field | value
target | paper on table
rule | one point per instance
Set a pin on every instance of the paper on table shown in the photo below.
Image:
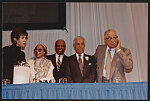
(21, 75)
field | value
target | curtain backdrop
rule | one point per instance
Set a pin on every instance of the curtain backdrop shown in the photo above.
(91, 20)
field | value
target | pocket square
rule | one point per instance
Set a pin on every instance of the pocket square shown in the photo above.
(89, 64)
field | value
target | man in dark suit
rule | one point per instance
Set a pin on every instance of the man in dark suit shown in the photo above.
(80, 67)
(58, 60)
(119, 62)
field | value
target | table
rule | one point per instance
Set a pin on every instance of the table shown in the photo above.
(130, 90)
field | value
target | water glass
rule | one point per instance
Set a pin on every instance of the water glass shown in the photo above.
(65, 80)
(52, 81)
(62, 80)
(118, 80)
(5, 81)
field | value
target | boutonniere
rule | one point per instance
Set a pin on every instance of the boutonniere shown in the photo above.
(86, 58)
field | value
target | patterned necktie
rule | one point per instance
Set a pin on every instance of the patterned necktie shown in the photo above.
(80, 60)
(80, 64)
(58, 63)
(108, 64)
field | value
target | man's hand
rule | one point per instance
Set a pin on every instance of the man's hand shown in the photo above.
(118, 46)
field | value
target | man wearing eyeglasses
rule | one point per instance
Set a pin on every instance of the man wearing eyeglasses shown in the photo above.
(113, 60)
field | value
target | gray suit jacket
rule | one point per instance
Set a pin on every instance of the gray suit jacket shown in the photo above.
(121, 61)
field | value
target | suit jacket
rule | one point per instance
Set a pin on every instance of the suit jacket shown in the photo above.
(61, 73)
(73, 72)
(121, 61)
(11, 56)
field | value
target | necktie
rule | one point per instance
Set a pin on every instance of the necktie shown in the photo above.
(108, 64)
(58, 63)
(80, 64)
(80, 60)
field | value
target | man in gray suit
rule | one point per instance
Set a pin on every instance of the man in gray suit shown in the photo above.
(120, 59)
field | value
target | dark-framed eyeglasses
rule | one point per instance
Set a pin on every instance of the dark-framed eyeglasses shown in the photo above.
(38, 50)
(110, 38)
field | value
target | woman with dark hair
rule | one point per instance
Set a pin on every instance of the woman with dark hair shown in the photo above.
(13, 54)
(41, 69)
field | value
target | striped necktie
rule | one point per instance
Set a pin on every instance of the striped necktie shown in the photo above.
(58, 63)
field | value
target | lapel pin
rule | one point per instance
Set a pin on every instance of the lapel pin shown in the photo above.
(89, 64)
(86, 58)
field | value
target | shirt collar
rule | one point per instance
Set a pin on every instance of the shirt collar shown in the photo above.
(77, 55)
(61, 56)
(111, 49)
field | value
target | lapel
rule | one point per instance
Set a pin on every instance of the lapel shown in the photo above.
(75, 61)
(64, 57)
(103, 51)
(85, 67)
(101, 60)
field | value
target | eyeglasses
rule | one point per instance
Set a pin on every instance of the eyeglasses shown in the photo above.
(38, 50)
(110, 38)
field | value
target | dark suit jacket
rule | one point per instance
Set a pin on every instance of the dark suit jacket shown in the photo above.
(61, 73)
(73, 72)
(11, 56)
(121, 61)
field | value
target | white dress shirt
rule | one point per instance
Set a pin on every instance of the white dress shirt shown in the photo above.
(61, 58)
(82, 55)
(112, 52)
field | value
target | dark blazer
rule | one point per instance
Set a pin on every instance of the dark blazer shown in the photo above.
(61, 73)
(121, 62)
(11, 56)
(73, 72)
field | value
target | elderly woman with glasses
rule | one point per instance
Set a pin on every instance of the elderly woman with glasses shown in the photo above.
(41, 69)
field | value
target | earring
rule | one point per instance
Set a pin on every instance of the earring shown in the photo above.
(15, 42)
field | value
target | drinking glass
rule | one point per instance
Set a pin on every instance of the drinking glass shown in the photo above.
(60, 80)
(118, 80)
(65, 80)
(5, 81)
(52, 81)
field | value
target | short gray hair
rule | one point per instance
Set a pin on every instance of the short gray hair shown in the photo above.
(109, 30)
(78, 38)
(44, 47)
